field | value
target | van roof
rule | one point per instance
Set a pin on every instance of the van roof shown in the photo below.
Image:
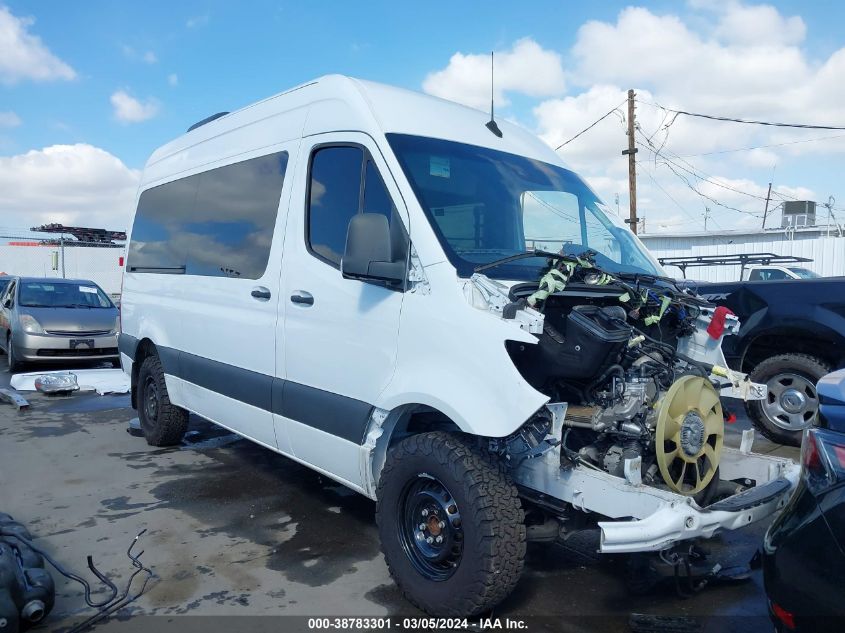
(340, 103)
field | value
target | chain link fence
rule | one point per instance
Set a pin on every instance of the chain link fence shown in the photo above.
(33, 254)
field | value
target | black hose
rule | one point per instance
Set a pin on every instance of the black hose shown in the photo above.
(115, 601)
(68, 574)
(613, 369)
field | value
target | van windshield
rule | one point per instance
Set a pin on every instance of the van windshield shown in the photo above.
(485, 204)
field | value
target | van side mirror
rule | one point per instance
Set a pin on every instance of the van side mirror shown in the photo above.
(7, 303)
(368, 253)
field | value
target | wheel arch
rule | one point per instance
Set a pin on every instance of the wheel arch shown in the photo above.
(144, 349)
(387, 428)
(827, 346)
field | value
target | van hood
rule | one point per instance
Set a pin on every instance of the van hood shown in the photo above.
(74, 320)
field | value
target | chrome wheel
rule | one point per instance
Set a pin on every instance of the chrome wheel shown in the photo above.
(791, 402)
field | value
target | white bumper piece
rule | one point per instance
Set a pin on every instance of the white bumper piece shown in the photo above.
(652, 519)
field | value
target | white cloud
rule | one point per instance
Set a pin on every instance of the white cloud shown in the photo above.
(726, 58)
(759, 24)
(526, 68)
(197, 21)
(9, 119)
(148, 57)
(24, 56)
(72, 184)
(128, 109)
(173, 79)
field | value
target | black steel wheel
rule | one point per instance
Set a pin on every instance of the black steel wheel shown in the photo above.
(430, 528)
(162, 423)
(451, 525)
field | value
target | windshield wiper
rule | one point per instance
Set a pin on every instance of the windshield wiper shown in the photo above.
(525, 255)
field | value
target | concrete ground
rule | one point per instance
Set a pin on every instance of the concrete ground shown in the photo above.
(234, 529)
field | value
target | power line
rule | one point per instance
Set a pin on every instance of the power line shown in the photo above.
(746, 149)
(714, 117)
(592, 125)
(692, 171)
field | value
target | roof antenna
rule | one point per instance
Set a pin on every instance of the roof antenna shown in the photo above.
(491, 124)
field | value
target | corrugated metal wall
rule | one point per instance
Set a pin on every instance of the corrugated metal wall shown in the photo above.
(828, 253)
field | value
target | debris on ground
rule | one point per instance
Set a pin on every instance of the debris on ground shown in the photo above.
(57, 384)
(27, 592)
(15, 399)
(103, 381)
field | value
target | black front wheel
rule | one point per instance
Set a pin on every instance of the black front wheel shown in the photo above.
(451, 525)
(162, 423)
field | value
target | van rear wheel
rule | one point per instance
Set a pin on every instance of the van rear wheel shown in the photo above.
(451, 525)
(162, 423)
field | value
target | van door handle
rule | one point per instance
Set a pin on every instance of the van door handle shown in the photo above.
(302, 298)
(261, 293)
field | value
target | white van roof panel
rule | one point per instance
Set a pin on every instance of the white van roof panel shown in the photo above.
(335, 103)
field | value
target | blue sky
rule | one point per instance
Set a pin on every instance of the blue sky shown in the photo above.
(127, 77)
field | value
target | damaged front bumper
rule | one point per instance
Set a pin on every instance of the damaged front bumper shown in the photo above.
(652, 519)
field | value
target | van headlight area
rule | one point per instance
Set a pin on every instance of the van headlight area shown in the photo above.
(443, 318)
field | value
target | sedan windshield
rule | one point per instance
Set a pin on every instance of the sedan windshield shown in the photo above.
(62, 294)
(485, 205)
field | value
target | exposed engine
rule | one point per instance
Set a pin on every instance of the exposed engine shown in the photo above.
(610, 350)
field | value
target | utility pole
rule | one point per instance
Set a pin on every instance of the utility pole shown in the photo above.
(706, 216)
(829, 205)
(632, 165)
(766, 210)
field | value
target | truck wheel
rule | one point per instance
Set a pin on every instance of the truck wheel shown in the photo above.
(451, 525)
(162, 423)
(791, 403)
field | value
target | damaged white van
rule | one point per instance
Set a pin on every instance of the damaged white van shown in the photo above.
(432, 310)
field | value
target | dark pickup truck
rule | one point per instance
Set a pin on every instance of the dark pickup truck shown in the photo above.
(792, 334)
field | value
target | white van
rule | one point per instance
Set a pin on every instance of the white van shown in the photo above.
(432, 310)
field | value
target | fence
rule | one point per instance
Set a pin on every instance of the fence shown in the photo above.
(34, 255)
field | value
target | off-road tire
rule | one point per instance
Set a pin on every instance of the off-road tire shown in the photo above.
(12, 361)
(492, 523)
(804, 365)
(165, 424)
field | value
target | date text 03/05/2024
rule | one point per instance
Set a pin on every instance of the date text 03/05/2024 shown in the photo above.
(412, 624)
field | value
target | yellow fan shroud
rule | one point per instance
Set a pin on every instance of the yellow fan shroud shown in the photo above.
(689, 436)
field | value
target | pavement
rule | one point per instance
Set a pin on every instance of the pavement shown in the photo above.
(235, 529)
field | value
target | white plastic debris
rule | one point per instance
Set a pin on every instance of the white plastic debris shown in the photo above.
(102, 381)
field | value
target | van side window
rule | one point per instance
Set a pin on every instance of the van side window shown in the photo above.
(333, 198)
(344, 181)
(218, 223)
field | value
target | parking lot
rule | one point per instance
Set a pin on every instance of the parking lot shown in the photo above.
(235, 529)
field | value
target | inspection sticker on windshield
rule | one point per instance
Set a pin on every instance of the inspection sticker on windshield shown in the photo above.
(88, 289)
(438, 166)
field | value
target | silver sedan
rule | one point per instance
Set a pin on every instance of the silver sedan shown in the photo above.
(57, 319)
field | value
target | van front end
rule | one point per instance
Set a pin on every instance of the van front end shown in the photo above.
(634, 430)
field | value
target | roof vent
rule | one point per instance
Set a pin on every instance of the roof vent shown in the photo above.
(207, 119)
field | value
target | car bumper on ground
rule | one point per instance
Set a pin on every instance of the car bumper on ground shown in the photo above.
(82, 346)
